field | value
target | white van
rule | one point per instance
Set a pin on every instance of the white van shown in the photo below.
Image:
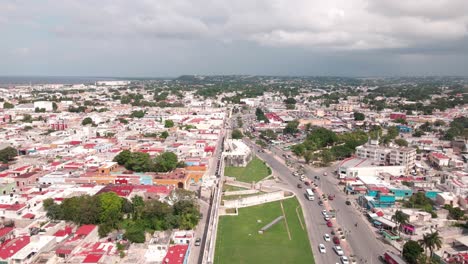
(310, 195)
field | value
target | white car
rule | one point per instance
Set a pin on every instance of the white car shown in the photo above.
(338, 250)
(324, 212)
(344, 260)
(327, 237)
(322, 248)
(326, 218)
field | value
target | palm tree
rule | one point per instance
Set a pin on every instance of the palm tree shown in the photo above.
(400, 218)
(431, 241)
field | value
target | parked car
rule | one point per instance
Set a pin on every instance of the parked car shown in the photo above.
(326, 218)
(336, 240)
(324, 212)
(299, 185)
(322, 248)
(197, 242)
(338, 250)
(329, 224)
(344, 260)
(326, 237)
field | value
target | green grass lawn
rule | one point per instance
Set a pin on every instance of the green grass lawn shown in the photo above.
(234, 197)
(256, 170)
(238, 241)
(230, 188)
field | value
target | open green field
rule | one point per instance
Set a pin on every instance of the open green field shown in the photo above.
(256, 170)
(238, 241)
(230, 188)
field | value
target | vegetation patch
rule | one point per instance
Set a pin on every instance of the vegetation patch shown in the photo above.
(256, 170)
(238, 240)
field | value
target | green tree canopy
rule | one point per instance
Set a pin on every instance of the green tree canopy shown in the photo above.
(412, 252)
(7, 154)
(138, 114)
(401, 142)
(87, 121)
(168, 123)
(236, 134)
(291, 127)
(165, 162)
(359, 116)
(8, 105)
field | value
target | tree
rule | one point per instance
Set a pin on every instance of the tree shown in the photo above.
(401, 142)
(237, 134)
(392, 132)
(111, 209)
(138, 205)
(290, 100)
(359, 116)
(412, 252)
(431, 241)
(164, 134)
(7, 154)
(54, 106)
(87, 121)
(291, 127)
(138, 114)
(400, 218)
(165, 162)
(27, 118)
(298, 149)
(326, 156)
(135, 234)
(168, 123)
(139, 162)
(123, 121)
(308, 156)
(7, 105)
(123, 157)
(268, 134)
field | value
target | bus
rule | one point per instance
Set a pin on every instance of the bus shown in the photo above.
(309, 194)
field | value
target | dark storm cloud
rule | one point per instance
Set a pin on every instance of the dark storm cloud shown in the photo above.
(145, 37)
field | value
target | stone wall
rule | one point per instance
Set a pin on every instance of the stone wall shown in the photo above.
(256, 200)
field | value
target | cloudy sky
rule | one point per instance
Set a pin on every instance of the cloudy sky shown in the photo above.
(274, 37)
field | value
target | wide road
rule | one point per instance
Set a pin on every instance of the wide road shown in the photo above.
(361, 239)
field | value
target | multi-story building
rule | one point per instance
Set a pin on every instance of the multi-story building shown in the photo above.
(388, 156)
(403, 157)
(344, 107)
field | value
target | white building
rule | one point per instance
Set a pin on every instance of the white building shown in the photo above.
(361, 168)
(237, 153)
(47, 105)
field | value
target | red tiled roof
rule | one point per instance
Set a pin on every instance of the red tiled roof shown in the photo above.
(5, 230)
(92, 258)
(28, 216)
(12, 246)
(439, 155)
(64, 232)
(84, 230)
(175, 254)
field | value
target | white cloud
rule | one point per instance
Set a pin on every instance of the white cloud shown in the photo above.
(331, 24)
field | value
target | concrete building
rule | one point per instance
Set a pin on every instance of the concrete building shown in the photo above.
(47, 105)
(344, 107)
(237, 153)
(388, 156)
(359, 168)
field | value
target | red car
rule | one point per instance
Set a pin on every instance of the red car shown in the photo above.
(336, 240)
(329, 224)
(331, 197)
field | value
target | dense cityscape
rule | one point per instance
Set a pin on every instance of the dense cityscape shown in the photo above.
(234, 169)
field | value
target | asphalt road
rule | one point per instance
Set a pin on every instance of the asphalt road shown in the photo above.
(361, 239)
